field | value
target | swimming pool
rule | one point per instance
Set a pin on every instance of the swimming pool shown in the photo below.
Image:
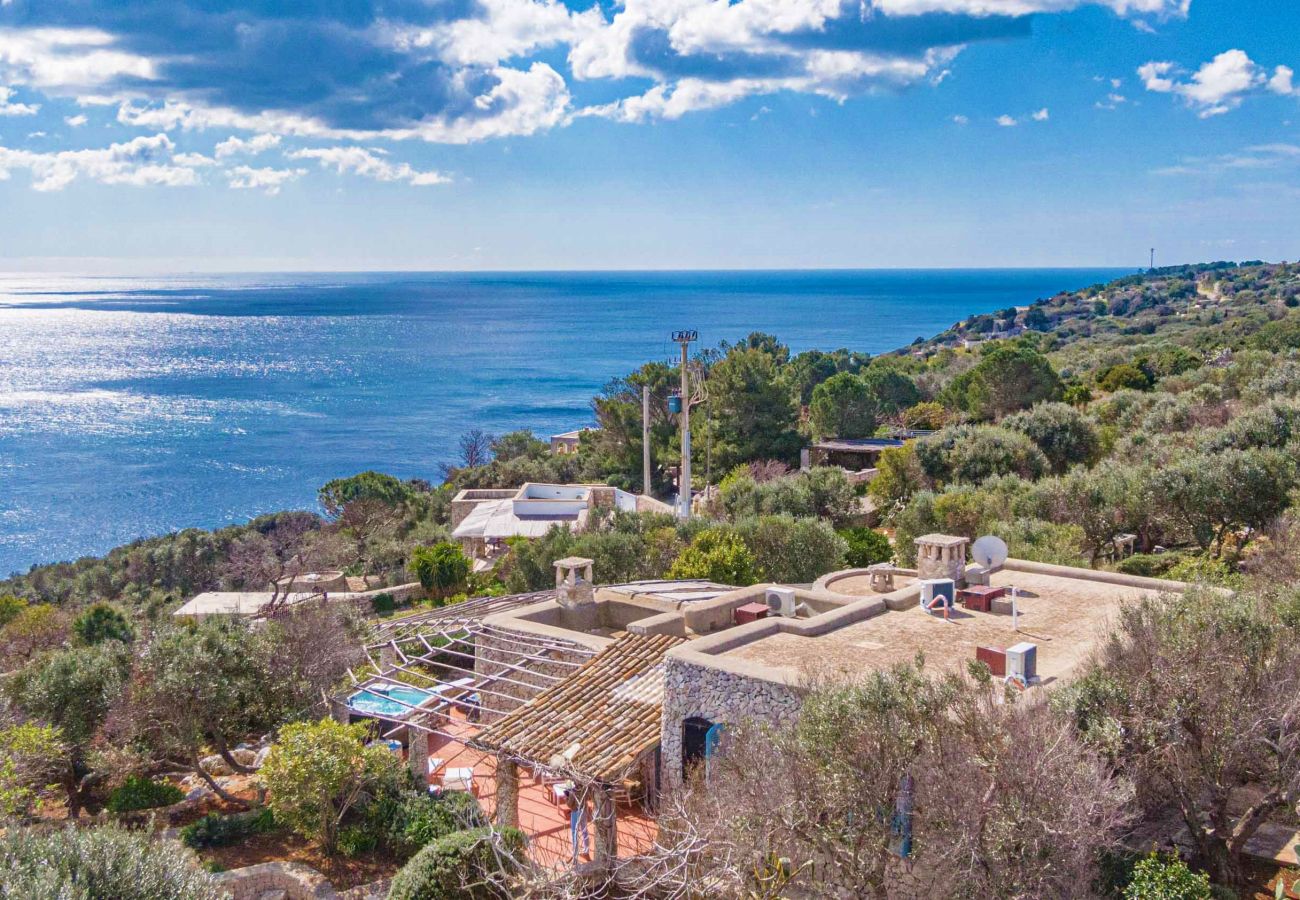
(391, 701)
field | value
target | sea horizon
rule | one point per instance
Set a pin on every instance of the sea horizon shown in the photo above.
(134, 405)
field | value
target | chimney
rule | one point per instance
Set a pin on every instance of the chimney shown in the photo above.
(573, 587)
(941, 556)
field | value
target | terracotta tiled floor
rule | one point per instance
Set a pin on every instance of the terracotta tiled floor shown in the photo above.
(546, 824)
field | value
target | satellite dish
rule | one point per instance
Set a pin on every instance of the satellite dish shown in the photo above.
(989, 551)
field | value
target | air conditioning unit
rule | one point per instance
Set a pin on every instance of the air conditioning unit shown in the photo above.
(1022, 663)
(781, 602)
(933, 589)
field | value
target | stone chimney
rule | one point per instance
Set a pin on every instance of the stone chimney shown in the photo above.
(573, 587)
(941, 556)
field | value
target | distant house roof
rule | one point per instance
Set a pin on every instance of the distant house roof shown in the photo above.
(497, 519)
(571, 435)
(597, 722)
(857, 445)
(236, 603)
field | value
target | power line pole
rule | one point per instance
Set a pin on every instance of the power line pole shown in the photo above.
(645, 439)
(684, 339)
(1153, 258)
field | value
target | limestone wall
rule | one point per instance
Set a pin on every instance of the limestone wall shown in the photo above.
(295, 880)
(726, 697)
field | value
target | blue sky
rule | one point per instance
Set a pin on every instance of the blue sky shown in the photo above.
(471, 134)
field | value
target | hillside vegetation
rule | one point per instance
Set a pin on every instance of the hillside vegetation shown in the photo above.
(1160, 404)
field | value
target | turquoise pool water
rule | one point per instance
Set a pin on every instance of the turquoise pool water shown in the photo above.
(392, 702)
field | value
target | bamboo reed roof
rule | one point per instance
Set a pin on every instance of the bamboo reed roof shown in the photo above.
(596, 723)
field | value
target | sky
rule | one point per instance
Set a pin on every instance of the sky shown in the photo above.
(201, 135)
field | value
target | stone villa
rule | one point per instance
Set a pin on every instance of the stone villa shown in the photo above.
(615, 691)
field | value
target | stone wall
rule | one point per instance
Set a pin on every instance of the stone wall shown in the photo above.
(495, 653)
(726, 697)
(295, 880)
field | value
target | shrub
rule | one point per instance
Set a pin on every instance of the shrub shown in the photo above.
(1157, 877)
(464, 865)
(1148, 565)
(866, 547)
(143, 793)
(319, 771)
(789, 550)
(382, 604)
(30, 757)
(716, 554)
(216, 830)
(353, 840)
(442, 568)
(421, 819)
(1065, 435)
(1125, 375)
(106, 861)
(101, 622)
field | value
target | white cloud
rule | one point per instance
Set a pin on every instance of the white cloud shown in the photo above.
(257, 144)
(67, 58)
(1006, 121)
(505, 30)
(1163, 8)
(10, 108)
(1219, 85)
(961, 120)
(140, 161)
(1112, 101)
(268, 180)
(1040, 116)
(193, 160)
(1281, 82)
(75, 121)
(1255, 157)
(368, 163)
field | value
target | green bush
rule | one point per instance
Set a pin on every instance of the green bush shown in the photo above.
(92, 863)
(216, 830)
(417, 818)
(102, 622)
(1157, 877)
(866, 547)
(382, 604)
(464, 865)
(1148, 565)
(143, 793)
(353, 840)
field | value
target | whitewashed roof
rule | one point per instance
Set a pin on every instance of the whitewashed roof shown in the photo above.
(497, 519)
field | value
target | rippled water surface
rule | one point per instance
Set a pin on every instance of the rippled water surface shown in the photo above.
(134, 406)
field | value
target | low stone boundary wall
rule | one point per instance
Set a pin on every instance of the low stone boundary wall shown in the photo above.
(297, 881)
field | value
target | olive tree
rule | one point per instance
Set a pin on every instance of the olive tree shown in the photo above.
(1197, 696)
(1066, 436)
(858, 798)
(73, 691)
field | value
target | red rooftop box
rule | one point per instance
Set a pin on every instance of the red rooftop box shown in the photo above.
(751, 612)
(996, 660)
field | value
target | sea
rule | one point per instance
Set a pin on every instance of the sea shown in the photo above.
(135, 406)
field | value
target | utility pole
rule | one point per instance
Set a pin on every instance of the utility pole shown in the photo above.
(645, 439)
(1153, 258)
(684, 339)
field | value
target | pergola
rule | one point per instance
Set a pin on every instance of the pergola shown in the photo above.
(436, 651)
(593, 727)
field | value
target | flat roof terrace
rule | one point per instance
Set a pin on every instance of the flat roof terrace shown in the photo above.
(1065, 616)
